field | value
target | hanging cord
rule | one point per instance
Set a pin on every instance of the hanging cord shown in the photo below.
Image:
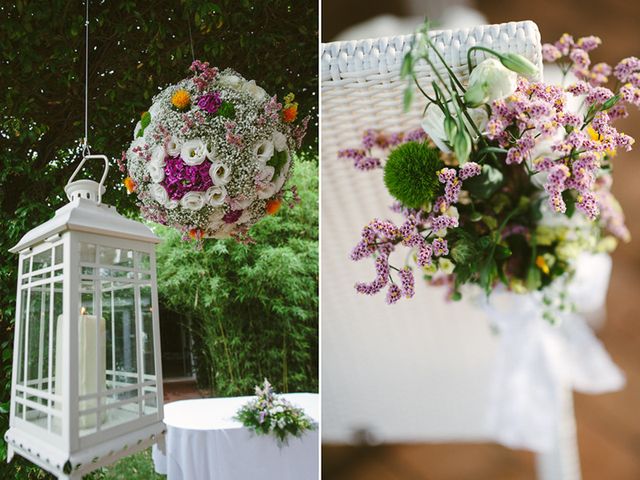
(193, 56)
(85, 145)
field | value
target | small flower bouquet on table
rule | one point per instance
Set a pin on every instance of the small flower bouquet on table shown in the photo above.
(213, 153)
(271, 414)
(508, 179)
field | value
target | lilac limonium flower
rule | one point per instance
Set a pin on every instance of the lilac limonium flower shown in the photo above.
(210, 102)
(181, 178)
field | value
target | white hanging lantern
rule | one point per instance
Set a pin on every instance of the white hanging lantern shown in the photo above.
(86, 387)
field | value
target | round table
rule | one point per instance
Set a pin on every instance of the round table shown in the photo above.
(204, 442)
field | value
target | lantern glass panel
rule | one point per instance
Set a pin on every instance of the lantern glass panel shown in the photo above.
(37, 400)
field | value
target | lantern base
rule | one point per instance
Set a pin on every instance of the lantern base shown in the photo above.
(73, 466)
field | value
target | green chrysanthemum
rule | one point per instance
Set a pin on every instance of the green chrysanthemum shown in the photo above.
(410, 174)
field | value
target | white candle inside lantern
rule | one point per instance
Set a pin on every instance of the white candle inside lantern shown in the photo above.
(89, 376)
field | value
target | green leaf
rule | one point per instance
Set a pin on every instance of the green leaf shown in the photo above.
(277, 161)
(408, 98)
(570, 201)
(464, 251)
(145, 120)
(483, 186)
(502, 252)
(227, 110)
(407, 65)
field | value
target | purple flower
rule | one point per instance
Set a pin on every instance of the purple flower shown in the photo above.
(393, 294)
(210, 102)
(408, 282)
(232, 216)
(180, 178)
(440, 247)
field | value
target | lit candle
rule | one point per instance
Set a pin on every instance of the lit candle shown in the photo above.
(89, 377)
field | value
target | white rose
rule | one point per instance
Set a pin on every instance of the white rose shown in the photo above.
(215, 196)
(193, 152)
(173, 147)
(155, 166)
(240, 202)
(158, 155)
(265, 175)
(212, 153)
(158, 193)
(267, 191)
(280, 141)
(490, 81)
(258, 93)
(230, 80)
(192, 201)
(156, 172)
(263, 151)
(219, 173)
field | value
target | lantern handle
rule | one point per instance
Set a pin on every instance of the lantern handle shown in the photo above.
(104, 175)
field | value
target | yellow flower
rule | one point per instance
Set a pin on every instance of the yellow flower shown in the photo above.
(289, 98)
(596, 137)
(181, 99)
(542, 264)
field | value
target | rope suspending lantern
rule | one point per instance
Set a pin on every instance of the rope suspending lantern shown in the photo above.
(85, 145)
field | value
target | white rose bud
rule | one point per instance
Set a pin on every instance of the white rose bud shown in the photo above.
(193, 152)
(156, 172)
(257, 92)
(219, 173)
(230, 80)
(192, 201)
(215, 196)
(490, 81)
(173, 147)
(158, 193)
(263, 151)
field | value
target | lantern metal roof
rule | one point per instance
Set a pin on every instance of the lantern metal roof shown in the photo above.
(86, 213)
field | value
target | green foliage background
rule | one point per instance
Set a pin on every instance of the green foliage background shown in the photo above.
(137, 48)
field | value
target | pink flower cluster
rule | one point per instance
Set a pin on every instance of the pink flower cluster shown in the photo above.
(611, 215)
(364, 158)
(204, 74)
(380, 237)
(539, 112)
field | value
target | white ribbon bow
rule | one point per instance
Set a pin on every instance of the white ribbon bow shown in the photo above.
(537, 361)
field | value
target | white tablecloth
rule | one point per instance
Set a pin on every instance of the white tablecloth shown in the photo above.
(203, 442)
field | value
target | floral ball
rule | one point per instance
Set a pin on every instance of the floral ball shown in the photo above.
(212, 155)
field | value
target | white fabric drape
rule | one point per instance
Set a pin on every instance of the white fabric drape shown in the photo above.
(537, 361)
(203, 442)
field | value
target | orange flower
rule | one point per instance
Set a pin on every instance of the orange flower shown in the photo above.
(290, 113)
(129, 184)
(195, 234)
(273, 206)
(181, 99)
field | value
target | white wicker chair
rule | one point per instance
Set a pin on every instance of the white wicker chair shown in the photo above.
(432, 360)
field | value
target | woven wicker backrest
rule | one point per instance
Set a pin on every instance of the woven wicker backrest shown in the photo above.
(361, 86)
(407, 348)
